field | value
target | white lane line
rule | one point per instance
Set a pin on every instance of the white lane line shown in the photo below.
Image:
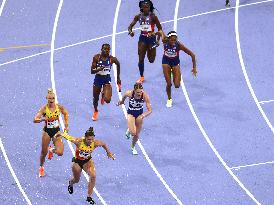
(251, 165)
(13, 173)
(2, 7)
(266, 101)
(54, 88)
(176, 13)
(122, 32)
(124, 108)
(209, 141)
(244, 69)
(219, 10)
(2, 146)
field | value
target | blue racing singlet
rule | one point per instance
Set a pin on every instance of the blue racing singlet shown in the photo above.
(146, 24)
(106, 63)
(171, 51)
(135, 107)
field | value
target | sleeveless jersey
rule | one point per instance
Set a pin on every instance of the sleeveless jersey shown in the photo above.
(171, 51)
(146, 24)
(53, 117)
(136, 104)
(105, 63)
(83, 151)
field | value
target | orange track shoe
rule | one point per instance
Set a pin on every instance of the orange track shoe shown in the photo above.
(50, 153)
(95, 116)
(141, 79)
(41, 172)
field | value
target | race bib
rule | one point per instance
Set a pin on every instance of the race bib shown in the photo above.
(146, 28)
(170, 53)
(85, 155)
(105, 71)
(53, 124)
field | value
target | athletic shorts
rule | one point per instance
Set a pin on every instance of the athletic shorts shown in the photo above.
(101, 80)
(149, 40)
(80, 162)
(135, 113)
(51, 131)
(171, 61)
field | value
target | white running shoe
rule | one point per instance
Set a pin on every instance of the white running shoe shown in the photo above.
(169, 103)
(134, 151)
(128, 135)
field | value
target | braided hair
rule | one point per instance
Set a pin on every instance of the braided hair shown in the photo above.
(89, 132)
(149, 2)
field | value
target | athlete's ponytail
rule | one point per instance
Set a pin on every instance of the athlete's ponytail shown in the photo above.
(89, 132)
(50, 92)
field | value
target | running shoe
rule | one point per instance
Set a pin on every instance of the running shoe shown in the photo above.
(70, 188)
(134, 151)
(169, 103)
(90, 200)
(50, 152)
(95, 116)
(128, 135)
(141, 79)
(41, 172)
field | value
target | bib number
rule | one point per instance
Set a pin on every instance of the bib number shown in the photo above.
(53, 124)
(105, 71)
(85, 155)
(170, 54)
(146, 28)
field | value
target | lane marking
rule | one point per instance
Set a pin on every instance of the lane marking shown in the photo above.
(2, 7)
(244, 68)
(54, 88)
(122, 32)
(2, 146)
(124, 108)
(21, 47)
(208, 139)
(251, 165)
(13, 173)
(266, 101)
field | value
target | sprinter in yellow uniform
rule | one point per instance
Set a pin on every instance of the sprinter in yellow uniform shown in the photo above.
(83, 159)
(50, 113)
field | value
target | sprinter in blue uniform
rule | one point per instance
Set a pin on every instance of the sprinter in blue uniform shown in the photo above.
(147, 41)
(135, 114)
(101, 67)
(171, 62)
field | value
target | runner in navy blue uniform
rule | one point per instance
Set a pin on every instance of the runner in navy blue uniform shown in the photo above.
(101, 66)
(171, 62)
(147, 41)
(135, 113)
